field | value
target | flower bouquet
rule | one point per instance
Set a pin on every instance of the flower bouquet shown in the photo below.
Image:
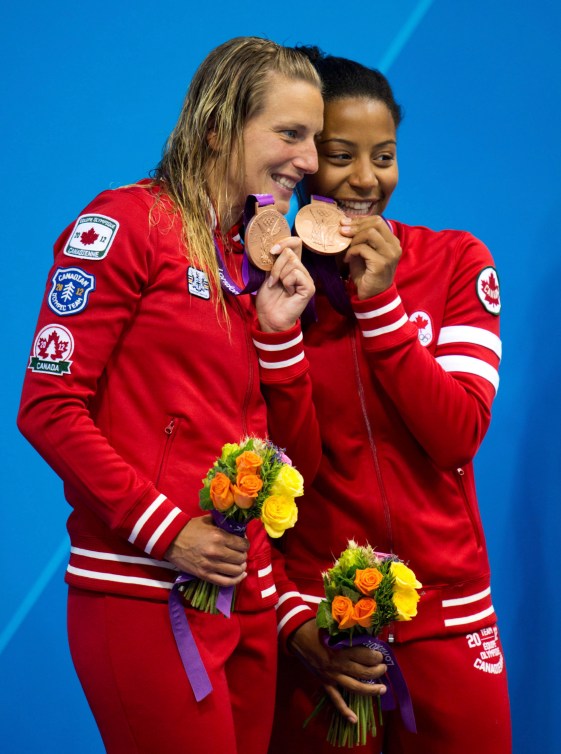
(364, 591)
(252, 479)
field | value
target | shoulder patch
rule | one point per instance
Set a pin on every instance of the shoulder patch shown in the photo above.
(91, 237)
(52, 350)
(197, 283)
(425, 331)
(488, 290)
(70, 291)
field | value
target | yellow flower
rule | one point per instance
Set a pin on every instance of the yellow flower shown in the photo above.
(405, 601)
(288, 483)
(278, 514)
(228, 449)
(404, 576)
(405, 596)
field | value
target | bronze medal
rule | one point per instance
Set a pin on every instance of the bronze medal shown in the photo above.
(317, 224)
(263, 231)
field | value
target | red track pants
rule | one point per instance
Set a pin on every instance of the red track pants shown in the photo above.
(126, 658)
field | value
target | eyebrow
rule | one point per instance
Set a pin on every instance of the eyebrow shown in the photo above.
(386, 143)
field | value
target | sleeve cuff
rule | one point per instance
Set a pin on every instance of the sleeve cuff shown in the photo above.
(155, 526)
(292, 612)
(281, 354)
(382, 320)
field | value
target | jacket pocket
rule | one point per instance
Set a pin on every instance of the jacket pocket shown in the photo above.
(170, 433)
(461, 474)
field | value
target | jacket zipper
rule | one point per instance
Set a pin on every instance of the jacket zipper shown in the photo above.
(169, 430)
(461, 473)
(372, 443)
(250, 369)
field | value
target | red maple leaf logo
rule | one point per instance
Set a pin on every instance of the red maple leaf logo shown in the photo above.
(490, 289)
(421, 322)
(89, 237)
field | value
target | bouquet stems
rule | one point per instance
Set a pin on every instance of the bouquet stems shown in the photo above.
(203, 595)
(343, 733)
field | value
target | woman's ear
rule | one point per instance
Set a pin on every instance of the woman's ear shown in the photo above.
(212, 137)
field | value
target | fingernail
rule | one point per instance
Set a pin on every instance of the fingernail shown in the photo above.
(276, 248)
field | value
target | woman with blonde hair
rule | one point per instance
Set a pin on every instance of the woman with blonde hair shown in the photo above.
(142, 367)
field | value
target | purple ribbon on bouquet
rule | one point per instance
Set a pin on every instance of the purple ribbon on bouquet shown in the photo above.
(397, 693)
(186, 644)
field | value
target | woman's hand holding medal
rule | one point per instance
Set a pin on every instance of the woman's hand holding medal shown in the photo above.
(287, 289)
(373, 254)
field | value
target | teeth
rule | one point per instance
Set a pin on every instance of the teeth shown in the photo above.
(285, 182)
(359, 206)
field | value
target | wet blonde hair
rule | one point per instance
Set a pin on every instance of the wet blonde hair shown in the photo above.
(229, 87)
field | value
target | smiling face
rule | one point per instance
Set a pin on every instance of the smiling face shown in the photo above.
(278, 143)
(357, 156)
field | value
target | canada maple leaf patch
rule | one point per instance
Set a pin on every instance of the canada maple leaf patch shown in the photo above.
(488, 290)
(424, 327)
(91, 237)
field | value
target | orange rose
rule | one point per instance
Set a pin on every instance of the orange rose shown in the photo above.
(248, 461)
(363, 611)
(221, 492)
(246, 490)
(367, 579)
(342, 611)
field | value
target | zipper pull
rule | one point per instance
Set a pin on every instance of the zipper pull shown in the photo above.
(391, 638)
(169, 429)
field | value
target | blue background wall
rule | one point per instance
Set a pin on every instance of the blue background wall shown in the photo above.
(90, 93)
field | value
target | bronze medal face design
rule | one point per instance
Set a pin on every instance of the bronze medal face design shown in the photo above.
(318, 225)
(263, 231)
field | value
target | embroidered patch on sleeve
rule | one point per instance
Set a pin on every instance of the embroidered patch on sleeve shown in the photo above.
(92, 237)
(52, 350)
(198, 283)
(424, 327)
(488, 290)
(70, 290)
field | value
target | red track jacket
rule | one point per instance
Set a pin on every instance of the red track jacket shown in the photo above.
(133, 387)
(403, 394)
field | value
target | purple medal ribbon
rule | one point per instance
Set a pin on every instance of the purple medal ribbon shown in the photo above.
(186, 644)
(251, 276)
(397, 693)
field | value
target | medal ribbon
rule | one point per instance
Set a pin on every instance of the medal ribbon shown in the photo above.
(397, 693)
(186, 644)
(252, 277)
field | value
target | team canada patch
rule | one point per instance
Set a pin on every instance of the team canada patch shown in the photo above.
(197, 282)
(92, 237)
(424, 327)
(70, 291)
(52, 350)
(488, 290)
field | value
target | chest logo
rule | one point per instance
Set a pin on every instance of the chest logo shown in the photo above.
(424, 327)
(92, 237)
(488, 290)
(197, 282)
(70, 291)
(52, 350)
